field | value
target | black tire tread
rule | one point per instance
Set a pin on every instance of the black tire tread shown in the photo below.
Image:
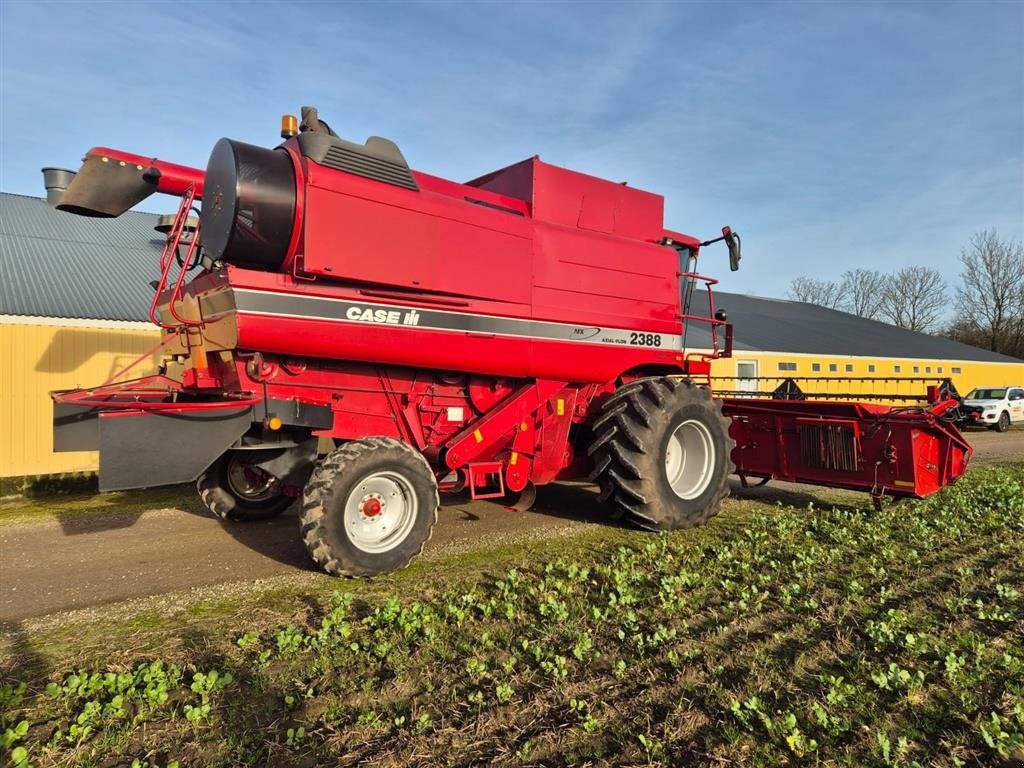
(625, 433)
(314, 512)
(222, 503)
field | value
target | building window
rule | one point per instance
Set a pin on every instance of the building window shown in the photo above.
(927, 369)
(957, 370)
(897, 369)
(832, 367)
(871, 368)
(787, 366)
(849, 368)
(816, 367)
(940, 369)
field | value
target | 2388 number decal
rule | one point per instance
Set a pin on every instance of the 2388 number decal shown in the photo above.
(645, 339)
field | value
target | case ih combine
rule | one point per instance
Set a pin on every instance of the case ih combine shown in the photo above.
(525, 327)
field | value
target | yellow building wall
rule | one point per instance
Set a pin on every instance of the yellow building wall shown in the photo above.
(965, 374)
(39, 355)
(36, 356)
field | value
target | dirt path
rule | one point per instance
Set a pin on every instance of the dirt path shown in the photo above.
(991, 447)
(51, 566)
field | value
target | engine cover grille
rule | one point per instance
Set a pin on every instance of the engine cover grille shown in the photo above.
(378, 159)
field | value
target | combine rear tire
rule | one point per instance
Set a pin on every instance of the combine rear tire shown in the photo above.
(661, 453)
(235, 491)
(369, 508)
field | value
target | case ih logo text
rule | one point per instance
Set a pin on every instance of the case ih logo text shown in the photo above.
(386, 316)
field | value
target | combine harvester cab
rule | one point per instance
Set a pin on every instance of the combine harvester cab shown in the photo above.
(363, 335)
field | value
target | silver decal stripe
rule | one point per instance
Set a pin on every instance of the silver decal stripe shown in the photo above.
(276, 304)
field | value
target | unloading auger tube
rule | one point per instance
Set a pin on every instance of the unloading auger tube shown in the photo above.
(356, 336)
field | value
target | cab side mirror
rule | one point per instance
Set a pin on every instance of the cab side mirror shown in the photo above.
(733, 241)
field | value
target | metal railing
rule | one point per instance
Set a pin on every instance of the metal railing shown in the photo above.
(795, 388)
(710, 319)
(176, 238)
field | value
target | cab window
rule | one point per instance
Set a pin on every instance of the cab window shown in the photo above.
(987, 394)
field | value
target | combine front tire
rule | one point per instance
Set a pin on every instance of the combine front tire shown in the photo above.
(661, 453)
(369, 508)
(234, 490)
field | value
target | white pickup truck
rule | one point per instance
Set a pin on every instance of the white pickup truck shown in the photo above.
(993, 407)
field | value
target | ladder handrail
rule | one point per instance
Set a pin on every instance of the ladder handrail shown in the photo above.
(171, 248)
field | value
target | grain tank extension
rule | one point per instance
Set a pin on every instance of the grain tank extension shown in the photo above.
(341, 327)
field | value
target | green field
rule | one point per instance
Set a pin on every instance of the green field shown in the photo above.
(773, 636)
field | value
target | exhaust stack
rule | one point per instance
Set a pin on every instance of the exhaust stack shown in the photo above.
(56, 181)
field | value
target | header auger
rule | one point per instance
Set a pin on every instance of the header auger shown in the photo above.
(364, 335)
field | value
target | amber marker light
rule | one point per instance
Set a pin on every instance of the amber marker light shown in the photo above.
(274, 423)
(289, 126)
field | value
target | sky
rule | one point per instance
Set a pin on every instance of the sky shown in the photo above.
(830, 135)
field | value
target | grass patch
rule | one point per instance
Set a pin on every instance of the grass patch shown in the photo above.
(773, 636)
(90, 505)
(48, 485)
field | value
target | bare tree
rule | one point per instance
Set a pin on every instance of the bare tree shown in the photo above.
(990, 298)
(824, 293)
(1016, 334)
(863, 291)
(914, 298)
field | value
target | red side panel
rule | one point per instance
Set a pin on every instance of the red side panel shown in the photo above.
(365, 231)
(577, 200)
(579, 275)
(573, 199)
(277, 314)
(587, 292)
(901, 452)
(484, 353)
(514, 181)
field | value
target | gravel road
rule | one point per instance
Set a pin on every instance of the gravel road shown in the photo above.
(51, 566)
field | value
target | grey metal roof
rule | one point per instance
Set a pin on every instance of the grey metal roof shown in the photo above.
(55, 264)
(776, 325)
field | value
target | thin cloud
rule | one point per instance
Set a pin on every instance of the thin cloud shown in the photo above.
(832, 135)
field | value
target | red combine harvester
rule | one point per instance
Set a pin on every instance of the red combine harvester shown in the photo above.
(525, 327)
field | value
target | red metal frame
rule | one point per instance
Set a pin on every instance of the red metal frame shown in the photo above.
(911, 451)
(710, 319)
(171, 251)
(149, 393)
(173, 179)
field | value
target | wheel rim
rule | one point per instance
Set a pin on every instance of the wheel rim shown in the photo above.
(248, 482)
(380, 512)
(690, 459)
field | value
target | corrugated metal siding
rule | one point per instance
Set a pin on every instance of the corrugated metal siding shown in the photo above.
(56, 264)
(792, 326)
(39, 358)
